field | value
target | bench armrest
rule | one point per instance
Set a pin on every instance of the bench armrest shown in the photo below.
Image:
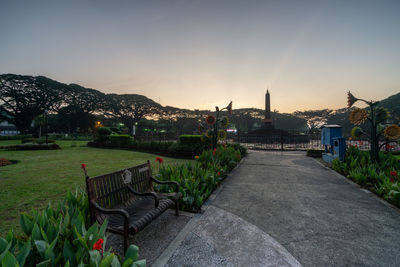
(150, 194)
(121, 212)
(166, 182)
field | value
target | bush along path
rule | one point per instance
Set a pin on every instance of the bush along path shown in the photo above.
(199, 179)
(62, 236)
(382, 178)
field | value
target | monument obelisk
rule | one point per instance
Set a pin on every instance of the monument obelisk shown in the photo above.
(267, 116)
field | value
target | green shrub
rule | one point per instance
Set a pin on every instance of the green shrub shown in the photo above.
(120, 139)
(377, 177)
(15, 137)
(186, 149)
(198, 180)
(28, 140)
(191, 139)
(314, 153)
(102, 134)
(33, 147)
(242, 149)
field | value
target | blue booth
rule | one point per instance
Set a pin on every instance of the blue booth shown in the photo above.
(334, 142)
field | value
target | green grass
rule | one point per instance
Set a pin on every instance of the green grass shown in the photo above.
(398, 157)
(47, 175)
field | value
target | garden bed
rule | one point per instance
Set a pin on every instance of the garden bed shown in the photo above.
(381, 178)
(32, 147)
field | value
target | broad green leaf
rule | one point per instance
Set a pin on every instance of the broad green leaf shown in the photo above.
(3, 245)
(41, 247)
(66, 220)
(67, 264)
(132, 252)
(103, 228)
(44, 234)
(127, 263)
(24, 252)
(95, 258)
(91, 235)
(141, 263)
(5, 251)
(9, 260)
(10, 236)
(44, 263)
(69, 253)
(36, 233)
(26, 224)
(81, 240)
(49, 253)
(106, 262)
(115, 262)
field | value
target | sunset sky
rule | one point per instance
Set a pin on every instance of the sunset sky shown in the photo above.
(198, 54)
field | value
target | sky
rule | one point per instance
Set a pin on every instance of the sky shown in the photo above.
(199, 54)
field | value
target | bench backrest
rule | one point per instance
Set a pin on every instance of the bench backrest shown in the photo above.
(110, 190)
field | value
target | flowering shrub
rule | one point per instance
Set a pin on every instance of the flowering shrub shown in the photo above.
(61, 236)
(159, 160)
(199, 179)
(380, 178)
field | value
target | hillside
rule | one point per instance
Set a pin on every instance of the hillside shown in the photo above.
(244, 119)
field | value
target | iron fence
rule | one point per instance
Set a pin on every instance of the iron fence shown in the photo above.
(302, 141)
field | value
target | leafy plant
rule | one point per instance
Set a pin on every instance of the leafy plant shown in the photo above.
(199, 179)
(377, 177)
(62, 236)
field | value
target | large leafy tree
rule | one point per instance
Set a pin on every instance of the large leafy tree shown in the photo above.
(130, 108)
(78, 109)
(23, 98)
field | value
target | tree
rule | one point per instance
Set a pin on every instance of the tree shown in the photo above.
(314, 118)
(130, 108)
(23, 98)
(79, 105)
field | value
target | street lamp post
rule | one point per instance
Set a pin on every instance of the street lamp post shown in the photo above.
(45, 121)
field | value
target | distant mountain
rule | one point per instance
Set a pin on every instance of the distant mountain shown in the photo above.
(392, 103)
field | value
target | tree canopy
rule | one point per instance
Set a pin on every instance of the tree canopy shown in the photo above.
(23, 98)
(130, 108)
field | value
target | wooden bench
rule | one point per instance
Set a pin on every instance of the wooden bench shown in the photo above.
(127, 199)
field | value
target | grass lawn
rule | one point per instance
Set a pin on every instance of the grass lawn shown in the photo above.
(47, 175)
(398, 157)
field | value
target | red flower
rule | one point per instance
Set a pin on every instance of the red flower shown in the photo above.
(210, 120)
(218, 174)
(83, 165)
(160, 160)
(393, 173)
(98, 245)
(388, 147)
(214, 151)
(392, 180)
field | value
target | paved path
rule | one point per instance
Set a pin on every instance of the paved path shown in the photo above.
(285, 209)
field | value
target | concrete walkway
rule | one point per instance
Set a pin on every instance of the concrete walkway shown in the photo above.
(285, 209)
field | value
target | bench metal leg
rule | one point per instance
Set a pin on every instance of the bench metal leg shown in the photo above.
(126, 243)
(126, 237)
(177, 208)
